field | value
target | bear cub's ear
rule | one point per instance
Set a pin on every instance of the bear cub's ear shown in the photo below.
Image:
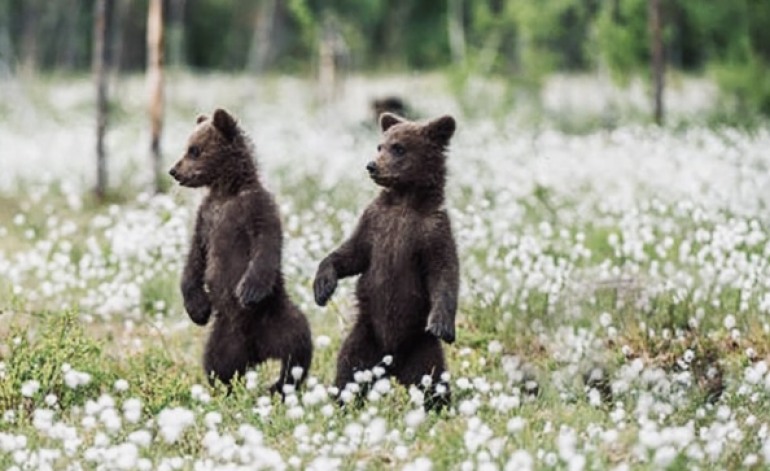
(441, 129)
(225, 124)
(387, 120)
(201, 118)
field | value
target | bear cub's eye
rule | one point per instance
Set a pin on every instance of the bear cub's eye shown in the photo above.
(194, 151)
(379, 147)
(398, 149)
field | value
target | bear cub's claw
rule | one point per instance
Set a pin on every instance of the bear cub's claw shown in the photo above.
(324, 285)
(249, 294)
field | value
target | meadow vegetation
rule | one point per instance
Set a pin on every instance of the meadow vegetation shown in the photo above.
(614, 307)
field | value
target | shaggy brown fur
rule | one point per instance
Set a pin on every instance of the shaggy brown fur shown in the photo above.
(404, 250)
(233, 268)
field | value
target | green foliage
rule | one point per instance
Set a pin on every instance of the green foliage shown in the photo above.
(747, 85)
(622, 36)
(42, 355)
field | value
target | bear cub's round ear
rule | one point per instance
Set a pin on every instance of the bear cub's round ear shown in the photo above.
(441, 129)
(225, 124)
(387, 120)
(201, 118)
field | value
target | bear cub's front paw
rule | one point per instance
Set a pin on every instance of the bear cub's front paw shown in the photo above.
(324, 285)
(250, 293)
(439, 327)
(199, 309)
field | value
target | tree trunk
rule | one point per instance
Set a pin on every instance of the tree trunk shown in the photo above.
(100, 69)
(657, 59)
(155, 86)
(456, 30)
(262, 41)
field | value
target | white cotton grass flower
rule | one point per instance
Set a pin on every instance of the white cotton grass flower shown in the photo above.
(42, 419)
(414, 418)
(327, 410)
(322, 341)
(252, 379)
(324, 463)
(132, 410)
(30, 388)
(468, 407)
(375, 431)
(212, 420)
(495, 347)
(382, 386)
(200, 394)
(111, 420)
(141, 438)
(295, 412)
(51, 400)
(121, 385)
(74, 379)
(173, 422)
(520, 460)
(362, 376)
(477, 434)
(296, 372)
(419, 464)
(515, 425)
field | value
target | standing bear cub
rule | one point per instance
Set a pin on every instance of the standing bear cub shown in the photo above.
(233, 269)
(404, 250)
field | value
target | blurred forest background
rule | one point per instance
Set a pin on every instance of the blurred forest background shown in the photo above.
(519, 40)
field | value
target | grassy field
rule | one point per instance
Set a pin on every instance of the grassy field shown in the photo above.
(615, 298)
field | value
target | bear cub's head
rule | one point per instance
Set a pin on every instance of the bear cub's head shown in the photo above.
(411, 155)
(216, 150)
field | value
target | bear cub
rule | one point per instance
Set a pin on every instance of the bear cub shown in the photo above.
(233, 269)
(404, 250)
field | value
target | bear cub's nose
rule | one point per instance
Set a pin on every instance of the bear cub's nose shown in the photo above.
(371, 167)
(172, 172)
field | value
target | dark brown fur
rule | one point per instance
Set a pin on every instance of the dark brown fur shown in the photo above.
(233, 269)
(404, 250)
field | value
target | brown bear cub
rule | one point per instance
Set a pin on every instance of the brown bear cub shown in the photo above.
(404, 250)
(233, 269)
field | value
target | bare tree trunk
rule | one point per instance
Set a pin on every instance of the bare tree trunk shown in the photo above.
(456, 30)
(100, 66)
(155, 85)
(261, 51)
(657, 60)
(333, 60)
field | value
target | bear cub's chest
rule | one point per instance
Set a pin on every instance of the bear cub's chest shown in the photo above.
(223, 229)
(396, 236)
